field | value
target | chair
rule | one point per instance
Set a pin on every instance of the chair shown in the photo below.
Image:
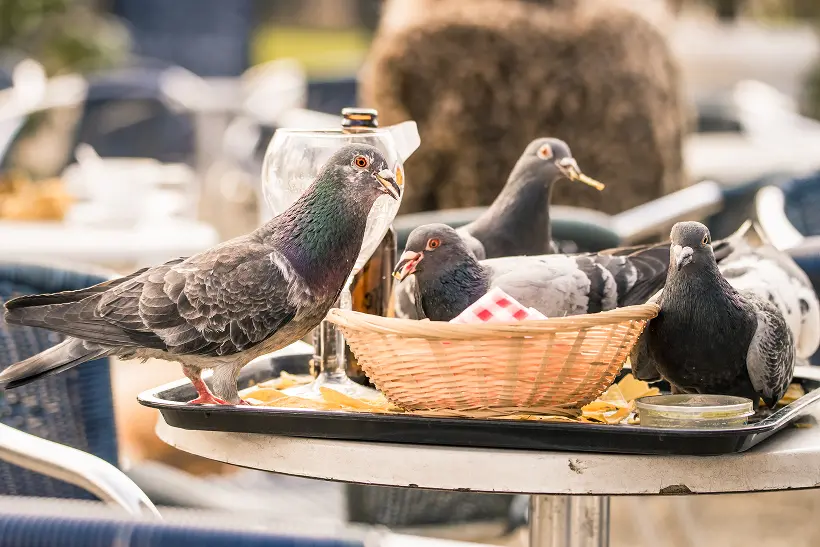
(24, 524)
(585, 230)
(74, 408)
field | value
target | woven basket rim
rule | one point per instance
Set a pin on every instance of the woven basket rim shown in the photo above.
(445, 330)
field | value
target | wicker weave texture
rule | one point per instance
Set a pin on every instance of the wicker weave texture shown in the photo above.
(531, 366)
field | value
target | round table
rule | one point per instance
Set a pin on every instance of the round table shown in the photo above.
(569, 490)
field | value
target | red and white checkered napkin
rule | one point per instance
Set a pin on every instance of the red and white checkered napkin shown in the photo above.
(497, 307)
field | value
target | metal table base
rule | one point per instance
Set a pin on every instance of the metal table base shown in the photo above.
(569, 521)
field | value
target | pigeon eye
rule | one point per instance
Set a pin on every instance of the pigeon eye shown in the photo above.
(360, 162)
(545, 152)
(705, 239)
(433, 243)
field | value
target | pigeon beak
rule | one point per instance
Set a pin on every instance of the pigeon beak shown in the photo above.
(388, 181)
(569, 168)
(407, 265)
(683, 255)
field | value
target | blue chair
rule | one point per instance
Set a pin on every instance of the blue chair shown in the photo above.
(74, 408)
(332, 95)
(26, 530)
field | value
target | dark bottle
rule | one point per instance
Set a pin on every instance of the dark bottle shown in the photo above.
(372, 287)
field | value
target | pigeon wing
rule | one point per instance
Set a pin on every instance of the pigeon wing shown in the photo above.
(643, 365)
(221, 302)
(771, 356)
(621, 278)
(552, 284)
(404, 299)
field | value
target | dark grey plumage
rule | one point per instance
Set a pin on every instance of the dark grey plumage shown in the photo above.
(710, 337)
(225, 306)
(518, 222)
(449, 278)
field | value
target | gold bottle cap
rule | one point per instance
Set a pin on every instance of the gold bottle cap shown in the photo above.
(359, 118)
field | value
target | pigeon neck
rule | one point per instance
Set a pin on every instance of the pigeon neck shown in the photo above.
(321, 235)
(694, 287)
(518, 221)
(453, 290)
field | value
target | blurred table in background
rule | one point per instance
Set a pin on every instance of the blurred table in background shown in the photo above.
(116, 247)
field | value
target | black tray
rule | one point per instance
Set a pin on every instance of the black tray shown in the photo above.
(356, 426)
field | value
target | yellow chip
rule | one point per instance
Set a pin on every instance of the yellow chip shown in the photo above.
(632, 388)
(599, 406)
(613, 395)
(332, 396)
(794, 392)
(266, 395)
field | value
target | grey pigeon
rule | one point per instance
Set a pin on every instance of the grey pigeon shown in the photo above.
(223, 307)
(449, 278)
(518, 221)
(709, 337)
(758, 266)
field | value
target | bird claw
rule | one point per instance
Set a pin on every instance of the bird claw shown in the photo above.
(208, 399)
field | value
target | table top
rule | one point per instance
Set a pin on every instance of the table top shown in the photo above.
(788, 460)
(144, 244)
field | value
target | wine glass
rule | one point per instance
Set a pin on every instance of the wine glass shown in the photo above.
(293, 160)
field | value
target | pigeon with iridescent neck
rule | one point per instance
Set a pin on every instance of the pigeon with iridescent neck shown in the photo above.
(518, 221)
(223, 307)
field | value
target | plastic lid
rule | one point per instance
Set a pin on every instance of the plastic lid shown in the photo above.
(697, 405)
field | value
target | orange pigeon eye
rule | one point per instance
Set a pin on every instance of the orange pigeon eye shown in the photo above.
(433, 243)
(360, 162)
(705, 239)
(545, 152)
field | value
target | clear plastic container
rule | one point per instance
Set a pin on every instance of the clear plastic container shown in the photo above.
(694, 411)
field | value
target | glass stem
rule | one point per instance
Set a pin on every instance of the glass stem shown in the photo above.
(329, 343)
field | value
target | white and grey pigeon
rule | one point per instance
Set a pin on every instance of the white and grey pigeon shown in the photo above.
(710, 337)
(223, 307)
(756, 265)
(518, 221)
(449, 278)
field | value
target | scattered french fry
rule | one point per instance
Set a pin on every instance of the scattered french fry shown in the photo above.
(332, 396)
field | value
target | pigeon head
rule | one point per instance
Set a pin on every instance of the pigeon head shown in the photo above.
(364, 171)
(691, 243)
(433, 247)
(551, 159)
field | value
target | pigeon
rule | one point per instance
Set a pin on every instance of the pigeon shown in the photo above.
(518, 221)
(710, 337)
(221, 308)
(758, 266)
(449, 278)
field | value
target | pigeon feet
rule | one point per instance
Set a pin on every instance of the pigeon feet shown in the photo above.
(205, 397)
(208, 399)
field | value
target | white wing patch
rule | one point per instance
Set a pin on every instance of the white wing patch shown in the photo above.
(770, 281)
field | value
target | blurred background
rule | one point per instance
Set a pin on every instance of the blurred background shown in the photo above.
(133, 131)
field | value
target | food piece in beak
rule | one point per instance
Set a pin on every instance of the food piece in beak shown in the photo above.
(569, 167)
(407, 265)
(388, 180)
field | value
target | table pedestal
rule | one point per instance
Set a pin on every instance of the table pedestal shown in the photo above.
(569, 521)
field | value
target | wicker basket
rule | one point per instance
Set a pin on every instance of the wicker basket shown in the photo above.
(487, 369)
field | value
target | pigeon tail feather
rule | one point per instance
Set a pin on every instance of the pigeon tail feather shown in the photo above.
(63, 356)
(65, 297)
